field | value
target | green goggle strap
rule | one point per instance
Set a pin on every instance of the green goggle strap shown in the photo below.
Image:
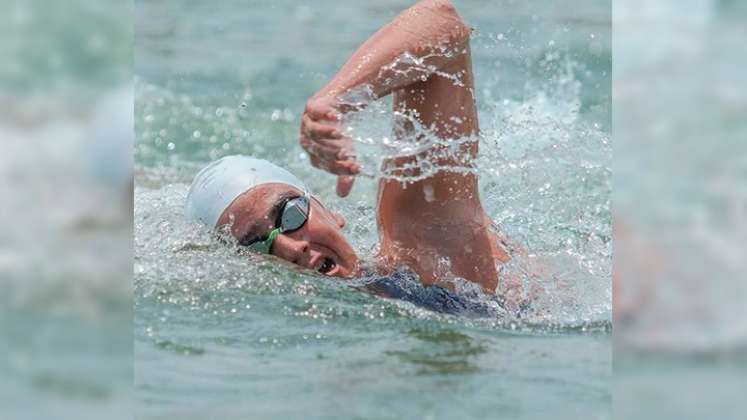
(265, 246)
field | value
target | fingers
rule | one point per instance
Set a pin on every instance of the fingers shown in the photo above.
(316, 130)
(326, 151)
(344, 144)
(320, 111)
(339, 167)
(332, 159)
(321, 150)
(350, 166)
(339, 148)
(344, 185)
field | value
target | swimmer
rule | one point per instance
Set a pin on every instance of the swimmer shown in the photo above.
(423, 59)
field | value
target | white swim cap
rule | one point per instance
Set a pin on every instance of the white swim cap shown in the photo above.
(217, 185)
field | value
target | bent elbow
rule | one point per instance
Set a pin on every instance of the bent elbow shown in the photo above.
(457, 29)
(445, 8)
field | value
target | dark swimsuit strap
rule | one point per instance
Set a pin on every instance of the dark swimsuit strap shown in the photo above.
(403, 285)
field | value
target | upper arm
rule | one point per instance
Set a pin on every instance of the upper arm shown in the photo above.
(443, 8)
(436, 23)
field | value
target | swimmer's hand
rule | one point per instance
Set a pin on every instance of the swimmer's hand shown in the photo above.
(328, 149)
(426, 38)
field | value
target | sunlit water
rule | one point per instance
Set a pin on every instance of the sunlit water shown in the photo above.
(225, 334)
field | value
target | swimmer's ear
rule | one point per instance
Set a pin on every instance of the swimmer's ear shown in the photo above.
(339, 219)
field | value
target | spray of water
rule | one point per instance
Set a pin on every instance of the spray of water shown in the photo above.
(544, 174)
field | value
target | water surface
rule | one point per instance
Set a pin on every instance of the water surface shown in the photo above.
(218, 333)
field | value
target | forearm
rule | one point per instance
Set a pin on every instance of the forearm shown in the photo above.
(425, 39)
(423, 52)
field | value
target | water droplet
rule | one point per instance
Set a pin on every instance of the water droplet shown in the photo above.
(428, 192)
(219, 112)
(196, 134)
(171, 146)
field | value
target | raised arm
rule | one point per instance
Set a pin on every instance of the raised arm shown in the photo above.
(421, 41)
(426, 39)
(435, 222)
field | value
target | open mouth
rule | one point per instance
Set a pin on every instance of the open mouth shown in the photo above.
(326, 265)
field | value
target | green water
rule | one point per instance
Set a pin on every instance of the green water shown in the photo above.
(223, 335)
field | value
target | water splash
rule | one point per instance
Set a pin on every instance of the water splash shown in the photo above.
(544, 176)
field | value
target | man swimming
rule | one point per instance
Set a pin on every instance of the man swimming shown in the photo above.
(423, 59)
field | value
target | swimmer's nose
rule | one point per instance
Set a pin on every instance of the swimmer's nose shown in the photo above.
(290, 249)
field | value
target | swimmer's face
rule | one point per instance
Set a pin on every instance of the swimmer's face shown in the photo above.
(318, 245)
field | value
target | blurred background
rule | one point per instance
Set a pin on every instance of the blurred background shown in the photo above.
(66, 209)
(680, 208)
(679, 123)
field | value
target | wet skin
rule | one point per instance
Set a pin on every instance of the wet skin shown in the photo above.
(422, 222)
(318, 245)
(439, 218)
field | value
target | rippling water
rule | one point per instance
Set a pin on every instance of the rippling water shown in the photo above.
(220, 333)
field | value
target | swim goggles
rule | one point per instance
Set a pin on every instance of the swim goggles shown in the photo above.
(294, 215)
